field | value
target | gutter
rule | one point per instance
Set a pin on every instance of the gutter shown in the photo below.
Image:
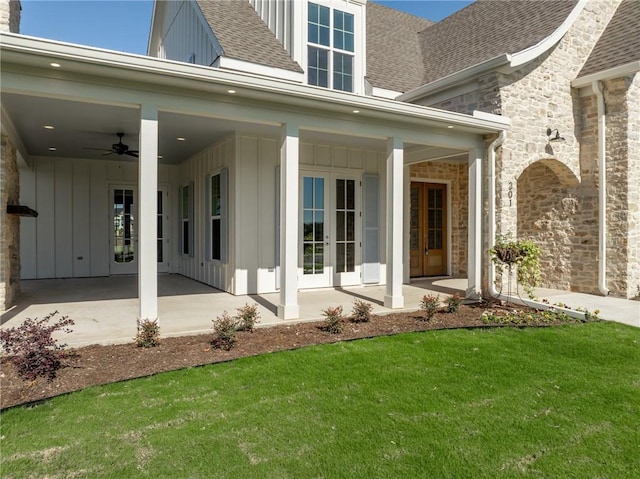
(492, 209)
(602, 191)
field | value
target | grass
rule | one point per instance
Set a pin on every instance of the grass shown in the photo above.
(548, 402)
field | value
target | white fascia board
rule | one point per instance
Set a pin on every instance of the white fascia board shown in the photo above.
(256, 69)
(508, 61)
(492, 117)
(455, 78)
(615, 72)
(384, 93)
(533, 52)
(32, 51)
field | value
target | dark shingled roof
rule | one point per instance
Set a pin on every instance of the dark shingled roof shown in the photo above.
(394, 58)
(243, 35)
(619, 43)
(486, 29)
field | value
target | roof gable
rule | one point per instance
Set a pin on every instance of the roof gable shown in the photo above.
(394, 57)
(619, 43)
(243, 35)
(487, 29)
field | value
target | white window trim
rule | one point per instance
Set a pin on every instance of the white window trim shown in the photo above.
(358, 67)
(223, 173)
(189, 220)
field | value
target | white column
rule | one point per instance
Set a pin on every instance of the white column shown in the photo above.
(474, 268)
(395, 162)
(289, 185)
(147, 214)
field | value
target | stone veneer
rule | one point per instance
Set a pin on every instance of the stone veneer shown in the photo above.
(547, 191)
(10, 16)
(458, 176)
(9, 225)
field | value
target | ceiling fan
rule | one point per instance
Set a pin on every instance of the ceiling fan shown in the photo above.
(117, 148)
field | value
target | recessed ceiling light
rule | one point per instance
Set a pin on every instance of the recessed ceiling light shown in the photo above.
(356, 111)
(231, 91)
(181, 138)
(52, 148)
(160, 157)
(55, 65)
(49, 127)
(450, 126)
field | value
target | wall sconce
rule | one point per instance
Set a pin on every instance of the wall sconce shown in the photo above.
(556, 137)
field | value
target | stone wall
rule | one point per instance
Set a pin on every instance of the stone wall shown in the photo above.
(10, 16)
(458, 176)
(623, 184)
(9, 225)
(547, 191)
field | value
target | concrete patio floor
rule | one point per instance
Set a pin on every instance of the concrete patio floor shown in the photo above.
(105, 309)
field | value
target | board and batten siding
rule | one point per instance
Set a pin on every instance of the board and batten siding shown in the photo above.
(197, 171)
(278, 15)
(70, 237)
(185, 35)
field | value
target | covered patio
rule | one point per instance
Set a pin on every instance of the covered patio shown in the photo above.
(102, 308)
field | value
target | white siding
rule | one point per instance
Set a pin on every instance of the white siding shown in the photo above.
(278, 15)
(197, 169)
(70, 236)
(184, 35)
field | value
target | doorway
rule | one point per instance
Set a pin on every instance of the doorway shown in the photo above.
(330, 250)
(428, 229)
(124, 234)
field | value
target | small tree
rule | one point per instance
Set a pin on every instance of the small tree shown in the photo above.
(429, 305)
(247, 317)
(148, 335)
(361, 312)
(224, 332)
(333, 320)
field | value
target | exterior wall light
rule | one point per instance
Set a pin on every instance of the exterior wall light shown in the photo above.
(555, 137)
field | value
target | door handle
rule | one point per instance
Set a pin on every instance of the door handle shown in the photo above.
(426, 252)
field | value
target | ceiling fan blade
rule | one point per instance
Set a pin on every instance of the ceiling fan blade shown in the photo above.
(132, 153)
(98, 149)
(107, 153)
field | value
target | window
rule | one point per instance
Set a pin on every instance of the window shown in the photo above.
(217, 216)
(330, 49)
(186, 219)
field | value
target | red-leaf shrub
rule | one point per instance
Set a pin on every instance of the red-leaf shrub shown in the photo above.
(31, 348)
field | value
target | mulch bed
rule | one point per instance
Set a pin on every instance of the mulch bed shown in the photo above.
(95, 365)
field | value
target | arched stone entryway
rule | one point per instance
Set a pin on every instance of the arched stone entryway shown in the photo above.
(551, 213)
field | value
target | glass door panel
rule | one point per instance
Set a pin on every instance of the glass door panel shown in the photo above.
(315, 238)
(347, 231)
(123, 230)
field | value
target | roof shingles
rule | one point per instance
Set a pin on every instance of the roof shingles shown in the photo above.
(486, 29)
(243, 35)
(394, 59)
(620, 41)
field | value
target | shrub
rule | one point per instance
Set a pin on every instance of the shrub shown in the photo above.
(224, 332)
(32, 350)
(361, 312)
(148, 335)
(247, 317)
(453, 303)
(333, 320)
(429, 305)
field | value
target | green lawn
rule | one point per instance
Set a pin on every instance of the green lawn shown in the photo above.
(560, 402)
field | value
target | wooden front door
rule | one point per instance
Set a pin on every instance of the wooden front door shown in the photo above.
(428, 229)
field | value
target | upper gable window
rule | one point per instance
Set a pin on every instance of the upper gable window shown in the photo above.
(330, 48)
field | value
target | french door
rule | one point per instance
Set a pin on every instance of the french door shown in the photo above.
(123, 219)
(124, 230)
(330, 230)
(428, 229)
